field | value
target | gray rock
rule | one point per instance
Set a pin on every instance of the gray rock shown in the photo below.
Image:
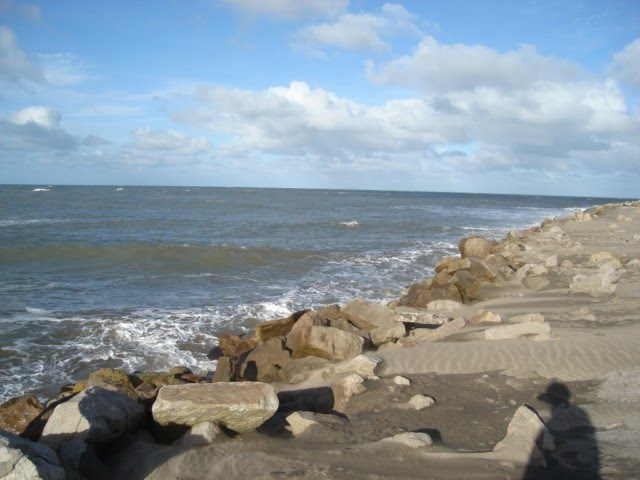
(22, 459)
(241, 406)
(95, 415)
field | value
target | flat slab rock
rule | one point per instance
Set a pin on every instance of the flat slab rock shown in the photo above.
(421, 316)
(240, 407)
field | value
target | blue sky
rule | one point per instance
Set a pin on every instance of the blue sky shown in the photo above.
(470, 96)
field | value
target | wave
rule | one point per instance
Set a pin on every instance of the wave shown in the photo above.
(176, 258)
(350, 223)
(19, 222)
(41, 190)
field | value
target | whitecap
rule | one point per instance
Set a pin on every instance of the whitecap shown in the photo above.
(41, 190)
(119, 189)
(350, 223)
(37, 311)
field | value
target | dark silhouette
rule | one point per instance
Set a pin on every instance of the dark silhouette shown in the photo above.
(576, 454)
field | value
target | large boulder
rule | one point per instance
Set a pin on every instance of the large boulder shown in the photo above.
(240, 407)
(423, 293)
(22, 459)
(601, 284)
(112, 379)
(484, 271)
(95, 415)
(324, 342)
(387, 333)
(277, 328)
(478, 247)
(266, 363)
(367, 315)
(17, 413)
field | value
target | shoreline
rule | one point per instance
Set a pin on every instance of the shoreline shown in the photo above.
(553, 304)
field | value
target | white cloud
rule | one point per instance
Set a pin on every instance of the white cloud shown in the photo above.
(290, 10)
(552, 127)
(15, 65)
(437, 67)
(44, 117)
(626, 64)
(33, 130)
(298, 120)
(364, 31)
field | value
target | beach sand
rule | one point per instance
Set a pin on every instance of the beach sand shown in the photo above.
(591, 356)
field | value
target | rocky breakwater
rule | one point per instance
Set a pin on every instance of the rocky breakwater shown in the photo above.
(301, 373)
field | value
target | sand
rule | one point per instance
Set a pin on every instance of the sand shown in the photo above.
(593, 350)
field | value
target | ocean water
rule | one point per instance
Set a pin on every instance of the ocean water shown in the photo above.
(144, 278)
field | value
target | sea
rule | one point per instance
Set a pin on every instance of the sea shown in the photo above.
(146, 278)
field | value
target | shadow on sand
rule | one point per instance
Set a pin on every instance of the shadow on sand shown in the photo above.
(576, 455)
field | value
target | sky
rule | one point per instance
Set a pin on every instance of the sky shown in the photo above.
(531, 97)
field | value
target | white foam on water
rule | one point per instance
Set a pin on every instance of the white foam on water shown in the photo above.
(119, 189)
(350, 223)
(37, 311)
(19, 222)
(41, 190)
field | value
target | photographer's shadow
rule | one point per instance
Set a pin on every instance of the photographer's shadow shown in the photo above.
(576, 455)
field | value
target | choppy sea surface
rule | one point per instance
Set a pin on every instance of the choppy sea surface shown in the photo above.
(144, 278)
